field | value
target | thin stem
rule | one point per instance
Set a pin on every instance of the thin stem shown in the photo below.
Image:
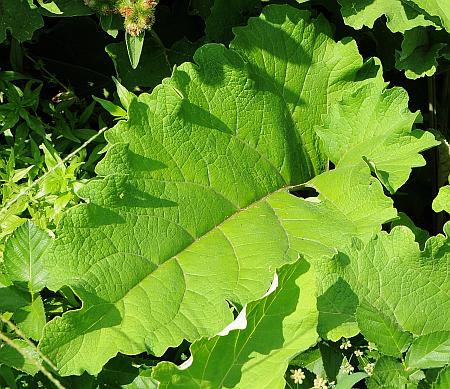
(13, 327)
(51, 76)
(444, 115)
(42, 368)
(159, 42)
(438, 218)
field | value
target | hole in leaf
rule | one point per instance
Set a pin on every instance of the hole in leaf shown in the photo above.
(305, 192)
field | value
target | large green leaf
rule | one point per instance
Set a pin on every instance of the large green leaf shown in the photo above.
(435, 8)
(400, 289)
(278, 327)
(192, 208)
(305, 71)
(430, 351)
(401, 15)
(19, 18)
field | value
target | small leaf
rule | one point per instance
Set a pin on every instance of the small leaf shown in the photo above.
(67, 8)
(419, 53)
(430, 351)
(349, 381)
(134, 47)
(23, 256)
(388, 144)
(112, 108)
(124, 95)
(442, 200)
(31, 319)
(111, 24)
(50, 7)
(21, 173)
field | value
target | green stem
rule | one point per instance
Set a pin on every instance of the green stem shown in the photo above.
(44, 371)
(438, 218)
(21, 335)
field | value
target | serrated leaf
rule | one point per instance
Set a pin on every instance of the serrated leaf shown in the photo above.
(388, 374)
(398, 286)
(191, 208)
(258, 355)
(390, 338)
(13, 13)
(429, 351)
(24, 254)
(387, 143)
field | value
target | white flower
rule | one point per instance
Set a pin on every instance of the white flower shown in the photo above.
(320, 383)
(297, 376)
(345, 344)
(371, 346)
(369, 368)
(348, 369)
(358, 353)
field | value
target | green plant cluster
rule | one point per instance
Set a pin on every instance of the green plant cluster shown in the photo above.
(254, 196)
